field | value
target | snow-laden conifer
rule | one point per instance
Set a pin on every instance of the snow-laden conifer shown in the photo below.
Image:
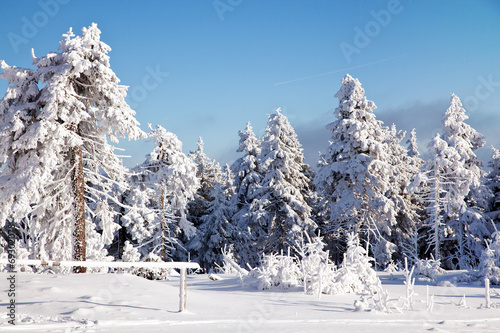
(279, 207)
(355, 174)
(246, 181)
(443, 183)
(216, 231)
(162, 187)
(493, 182)
(469, 226)
(207, 172)
(73, 169)
(405, 167)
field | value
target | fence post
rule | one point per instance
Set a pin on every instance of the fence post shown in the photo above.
(182, 290)
(487, 291)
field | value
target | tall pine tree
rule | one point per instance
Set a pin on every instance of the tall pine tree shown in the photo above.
(67, 200)
(279, 208)
(355, 175)
(164, 183)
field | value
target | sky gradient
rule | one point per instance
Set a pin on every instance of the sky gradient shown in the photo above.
(205, 68)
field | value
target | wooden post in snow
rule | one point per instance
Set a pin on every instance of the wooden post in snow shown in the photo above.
(487, 291)
(183, 290)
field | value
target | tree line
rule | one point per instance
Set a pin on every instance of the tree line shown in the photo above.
(70, 197)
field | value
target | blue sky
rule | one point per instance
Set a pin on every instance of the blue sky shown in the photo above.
(205, 68)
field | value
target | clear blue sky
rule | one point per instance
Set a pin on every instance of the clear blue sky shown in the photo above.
(233, 61)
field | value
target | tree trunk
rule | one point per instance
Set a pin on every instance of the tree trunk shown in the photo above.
(79, 249)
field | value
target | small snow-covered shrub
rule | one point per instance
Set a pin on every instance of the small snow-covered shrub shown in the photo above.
(130, 253)
(152, 273)
(489, 266)
(318, 273)
(382, 252)
(230, 265)
(280, 271)
(356, 270)
(428, 268)
(357, 275)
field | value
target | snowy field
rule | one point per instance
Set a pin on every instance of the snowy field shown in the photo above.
(126, 303)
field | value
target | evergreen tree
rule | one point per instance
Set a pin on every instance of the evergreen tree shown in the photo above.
(466, 141)
(469, 225)
(217, 233)
(207, 172)
(405, 166)
(493, 182)
(67, 200)
(245, 169)
(163, 186)
(246, 182)
(279, 212)
(442, 184)
(355, 175)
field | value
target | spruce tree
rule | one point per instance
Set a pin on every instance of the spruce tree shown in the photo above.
(279, 209)
(246, 181)
(216, 233)
(493, 182)
(73, 170)
(207, 172)
(355, 175)
(469, 225)
(163, 186)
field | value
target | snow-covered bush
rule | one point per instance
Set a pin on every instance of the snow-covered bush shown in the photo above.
(356, 275)
(355, 272)
(428, 268)
(280, 271)
(230, 265)
(318, 273)
(409, 284)
(130, 253)
(153, 273)
(490, 260)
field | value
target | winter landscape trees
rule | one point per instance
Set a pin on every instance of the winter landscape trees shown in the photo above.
(60, 171)
(70, 196)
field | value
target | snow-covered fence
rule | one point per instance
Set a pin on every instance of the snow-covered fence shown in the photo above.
(182, 266)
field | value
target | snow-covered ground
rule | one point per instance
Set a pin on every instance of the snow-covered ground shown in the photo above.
(126, 303)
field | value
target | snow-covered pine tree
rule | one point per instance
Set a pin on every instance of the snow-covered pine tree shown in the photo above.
(493, 182)
(470, 226)
(406, 165)
(354, 175)
(72, 167)
(18, 111)
(208, 172)
(443, 184)
(246, 181)
(279, 207)
(412, 248)
(162, 187)
(413, 148)
(216, 233)
(466, 141)
(245, 168)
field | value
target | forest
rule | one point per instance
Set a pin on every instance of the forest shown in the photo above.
(66, 193)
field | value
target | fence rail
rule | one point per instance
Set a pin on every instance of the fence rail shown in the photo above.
(182, 266)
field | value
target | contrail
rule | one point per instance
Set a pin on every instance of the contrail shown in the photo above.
(340, 70)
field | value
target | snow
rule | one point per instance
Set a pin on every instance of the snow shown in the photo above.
(127, 303)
